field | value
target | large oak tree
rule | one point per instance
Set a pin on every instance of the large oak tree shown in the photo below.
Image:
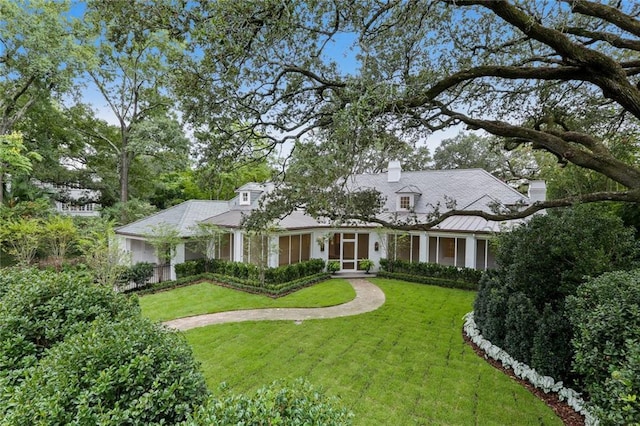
(559, 76)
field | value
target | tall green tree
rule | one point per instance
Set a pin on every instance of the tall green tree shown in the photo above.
(517, 70)
(39, 57)
(13, 158)
(469, 150)
(131, 75)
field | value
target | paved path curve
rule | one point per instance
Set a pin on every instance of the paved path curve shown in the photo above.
(368, 298)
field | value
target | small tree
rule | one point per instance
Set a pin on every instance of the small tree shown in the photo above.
(102, 253)
(60, 234)
(204, 237)
(22, 237)
(164, 238)
(13, 159)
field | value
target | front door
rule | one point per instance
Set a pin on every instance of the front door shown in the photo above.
(349, 248)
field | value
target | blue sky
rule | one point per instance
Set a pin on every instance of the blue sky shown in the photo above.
(342, 49)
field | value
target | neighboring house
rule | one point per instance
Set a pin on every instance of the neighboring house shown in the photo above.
(461, 241)
(78, 201)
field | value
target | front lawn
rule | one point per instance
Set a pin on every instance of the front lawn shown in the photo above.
(206, 298)
(405, 363)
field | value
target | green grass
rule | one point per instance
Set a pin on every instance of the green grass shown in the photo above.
(403, 364)
(206, 298)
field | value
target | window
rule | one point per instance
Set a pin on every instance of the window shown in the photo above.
(256, 249)
(244, 198)
(403, 247)
(294, 249)
(405, 202)
(447, 251)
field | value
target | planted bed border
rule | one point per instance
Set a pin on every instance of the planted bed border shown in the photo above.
(522, 371)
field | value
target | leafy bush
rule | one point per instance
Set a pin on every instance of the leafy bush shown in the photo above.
(433, 270)
(551, 352)
(520, 318)
(138, 273)
(246, 271)
(440, 282)
(39, 309)
(298, 404)
(74, 352)
(545, 260)
(620, 404)
(605, 314)
(129, 372)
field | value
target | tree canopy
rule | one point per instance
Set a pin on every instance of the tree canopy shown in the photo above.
(560, 77)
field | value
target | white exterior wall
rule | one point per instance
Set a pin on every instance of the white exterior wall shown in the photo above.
(375, 256)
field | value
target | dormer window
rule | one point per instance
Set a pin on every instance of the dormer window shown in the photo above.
(405, 202)
(245, 199)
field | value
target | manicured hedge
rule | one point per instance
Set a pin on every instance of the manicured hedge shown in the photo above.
(250, 286)
(245, 271)
(430, 273)
(440, 282)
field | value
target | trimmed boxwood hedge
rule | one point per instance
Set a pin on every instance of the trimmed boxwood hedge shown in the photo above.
(431, 273)
(250, 286)
(440, 282)
(245, 271)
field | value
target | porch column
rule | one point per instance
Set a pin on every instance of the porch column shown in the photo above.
(274, 251)
(238, 248)
(177, 258)
(423, 255)
(470, 252)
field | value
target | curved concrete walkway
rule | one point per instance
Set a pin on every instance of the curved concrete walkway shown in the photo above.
(368, 298)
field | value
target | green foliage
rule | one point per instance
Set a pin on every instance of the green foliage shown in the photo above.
(164, 238)
(101, 252)
(433, 270)
(440, 282)
(605, 314)
(130, 211)
(21, 238)
(620, 404)
(520, 317)
(333, 266)
(543, 262)
(366, 264)
(60, 235)
(39, 309)
(137, 273)
(280, 403)
(247, 271)
(126, 372)
(551, 351)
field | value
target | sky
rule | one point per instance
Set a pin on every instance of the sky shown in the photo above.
(343, 49)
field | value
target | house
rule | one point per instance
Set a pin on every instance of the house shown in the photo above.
(461, 241)
(73, 199)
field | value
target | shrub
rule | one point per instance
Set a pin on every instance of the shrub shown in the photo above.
(129, 372)
(297, 404)
(433, 270)
(138, 273)
(520, 319)
(605, 314)
(41, 308)
(545, 260)
(551, 351)
(246, 271)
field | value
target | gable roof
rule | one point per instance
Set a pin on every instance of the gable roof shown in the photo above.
(183, 217)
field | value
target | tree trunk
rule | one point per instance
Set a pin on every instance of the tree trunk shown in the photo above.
(1, 187)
